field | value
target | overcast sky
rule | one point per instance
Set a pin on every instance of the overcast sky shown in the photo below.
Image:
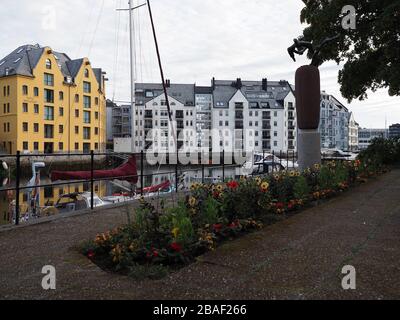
(198, 39)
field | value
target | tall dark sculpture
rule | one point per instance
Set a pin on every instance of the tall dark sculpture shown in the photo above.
(308, 97)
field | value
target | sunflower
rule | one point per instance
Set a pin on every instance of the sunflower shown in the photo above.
(317, 166)
(264, 186)
(258, 180)
(220, 188)
(192, 201)
(175, 232)
(292, 174)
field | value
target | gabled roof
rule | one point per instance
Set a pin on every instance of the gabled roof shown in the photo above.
(24, 59)
(184, 93)
(276, 92)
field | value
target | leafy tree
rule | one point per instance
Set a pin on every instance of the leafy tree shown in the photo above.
(370, 52)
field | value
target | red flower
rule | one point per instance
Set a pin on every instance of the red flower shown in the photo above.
(176, 247)
(90, 254)
(233, 185)
(216, 194)
(155, 254)
(149, 255)
(217, 227)
(280, 205)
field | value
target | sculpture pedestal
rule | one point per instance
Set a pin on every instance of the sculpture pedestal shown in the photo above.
(309, 148)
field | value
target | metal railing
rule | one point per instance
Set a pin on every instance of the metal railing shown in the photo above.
(284, 158)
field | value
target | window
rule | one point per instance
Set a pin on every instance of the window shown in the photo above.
(76, 113)
(76, 130)
(149, 94)
(48, 113)
(87, 87)
(60, 146)
(96, 146)
(36, 127)
(25, 126)
(61, 96)
(25, 107)
(86, 73)
(48, 131)
(48, 64)
(96, 115)
(25, 90)
(96, 101)
(76, 146)
(77, 98)
(61, 111)
(25, 146)
(48, 80)
(36, 146)
(48, 96)
(36, 108)
(86, 116)
(96, 131)
(86, 102)
(36, 91)
(60, 128)
(86, 133)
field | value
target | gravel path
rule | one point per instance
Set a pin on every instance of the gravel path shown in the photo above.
(299, 258)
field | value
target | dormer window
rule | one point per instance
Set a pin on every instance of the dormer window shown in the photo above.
(48, 64)
(86, 73)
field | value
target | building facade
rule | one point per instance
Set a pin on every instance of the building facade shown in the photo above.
(353, 133)
(366, 136)
(335, 124)
(50, 103)
(229, 115)
(394, 131)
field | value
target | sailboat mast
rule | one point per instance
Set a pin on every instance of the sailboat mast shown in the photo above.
(132, 71)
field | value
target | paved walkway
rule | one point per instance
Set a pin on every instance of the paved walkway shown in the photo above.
(299, 258)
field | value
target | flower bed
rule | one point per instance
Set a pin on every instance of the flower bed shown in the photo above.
(162, 237)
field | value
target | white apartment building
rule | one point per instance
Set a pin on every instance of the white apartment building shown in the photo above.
(353, 133)
(264, 110)
(229, 115)
(334, 123)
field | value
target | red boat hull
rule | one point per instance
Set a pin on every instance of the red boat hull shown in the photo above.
(127, 172)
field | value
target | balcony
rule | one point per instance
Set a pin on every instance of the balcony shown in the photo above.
(291, 137)
(266, 116)
(238, 105)
(266, 136)
(239, 125)
(239, 114)
(180, 125)
(179, 114)
(148, 114)
(266, 125)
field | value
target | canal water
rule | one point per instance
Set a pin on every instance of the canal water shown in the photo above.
(49, 196)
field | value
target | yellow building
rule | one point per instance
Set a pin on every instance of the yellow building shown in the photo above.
(50, 103)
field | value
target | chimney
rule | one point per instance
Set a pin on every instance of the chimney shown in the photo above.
(265, 84)
(239, 83)
(168, 83)
(213, 83)
(7, 71)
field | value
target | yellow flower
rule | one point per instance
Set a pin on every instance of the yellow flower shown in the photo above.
(265, 186)
(297, 174)
(292, 173)
(317, 166)
(276, 177)
(258, 180)
(175, 232)
(220, 188)
(192, 201)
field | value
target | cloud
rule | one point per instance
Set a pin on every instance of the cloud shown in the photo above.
(198, 39)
